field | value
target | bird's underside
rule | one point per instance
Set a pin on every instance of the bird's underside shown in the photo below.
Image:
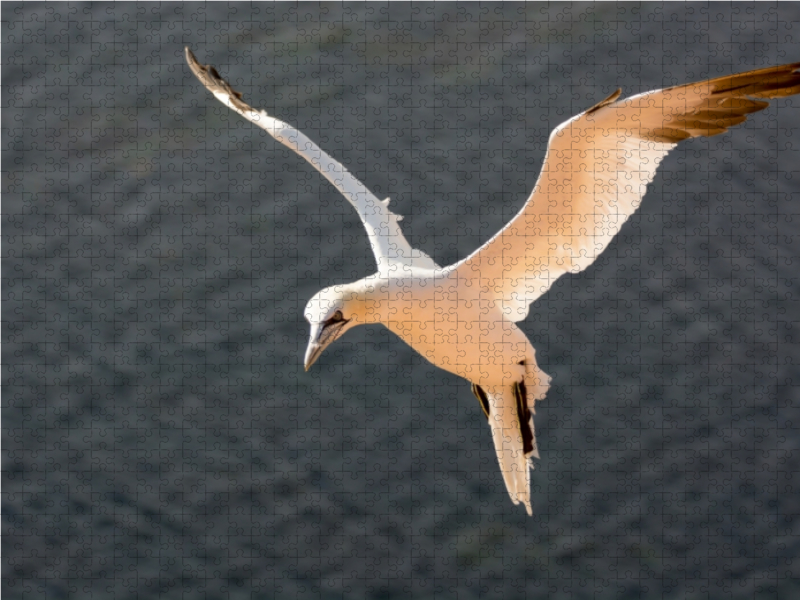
(462, 318)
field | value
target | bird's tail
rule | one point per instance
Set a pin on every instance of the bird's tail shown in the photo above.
(509, 410)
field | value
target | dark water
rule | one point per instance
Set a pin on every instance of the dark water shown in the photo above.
(160, 437)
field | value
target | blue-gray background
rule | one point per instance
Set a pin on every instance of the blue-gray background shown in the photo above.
(160, 437)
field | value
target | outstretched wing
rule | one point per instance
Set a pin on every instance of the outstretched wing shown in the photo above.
(595, 173)
(388, 243)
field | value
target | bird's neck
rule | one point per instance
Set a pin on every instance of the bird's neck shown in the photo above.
(382, 299)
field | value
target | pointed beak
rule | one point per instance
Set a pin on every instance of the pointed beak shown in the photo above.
(313, 352)
(322, 336)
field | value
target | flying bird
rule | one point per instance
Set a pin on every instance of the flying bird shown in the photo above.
(463, 317)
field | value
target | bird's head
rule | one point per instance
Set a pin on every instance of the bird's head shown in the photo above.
(330, 313)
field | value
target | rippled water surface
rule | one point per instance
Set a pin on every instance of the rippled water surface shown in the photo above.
(161, 439)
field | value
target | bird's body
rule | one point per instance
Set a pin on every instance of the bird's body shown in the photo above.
(457, 328)
(463, 318)
(461, 328)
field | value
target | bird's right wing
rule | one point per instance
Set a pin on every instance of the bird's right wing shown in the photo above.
(388, 243)
(595, 173)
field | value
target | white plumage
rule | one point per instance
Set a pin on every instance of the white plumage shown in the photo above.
(462, 317)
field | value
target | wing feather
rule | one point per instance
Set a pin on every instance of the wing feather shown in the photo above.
(387, 240)
(595, 173)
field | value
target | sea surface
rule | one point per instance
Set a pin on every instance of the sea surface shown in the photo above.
(160, 436)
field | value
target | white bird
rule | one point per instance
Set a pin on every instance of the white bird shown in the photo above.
(462, 318)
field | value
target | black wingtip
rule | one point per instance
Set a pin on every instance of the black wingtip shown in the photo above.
(194, 64)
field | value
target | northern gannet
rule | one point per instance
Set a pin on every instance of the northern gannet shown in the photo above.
(462, 318)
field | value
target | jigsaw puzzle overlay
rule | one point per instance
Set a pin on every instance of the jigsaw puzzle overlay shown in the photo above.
(161, 438)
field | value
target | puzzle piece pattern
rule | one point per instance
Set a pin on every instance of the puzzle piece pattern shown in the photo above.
(160, 437)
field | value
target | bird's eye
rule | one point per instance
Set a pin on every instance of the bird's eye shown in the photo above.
(336, 317)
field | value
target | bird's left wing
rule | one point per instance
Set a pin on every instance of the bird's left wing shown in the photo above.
(595, 173)
(387, 240)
